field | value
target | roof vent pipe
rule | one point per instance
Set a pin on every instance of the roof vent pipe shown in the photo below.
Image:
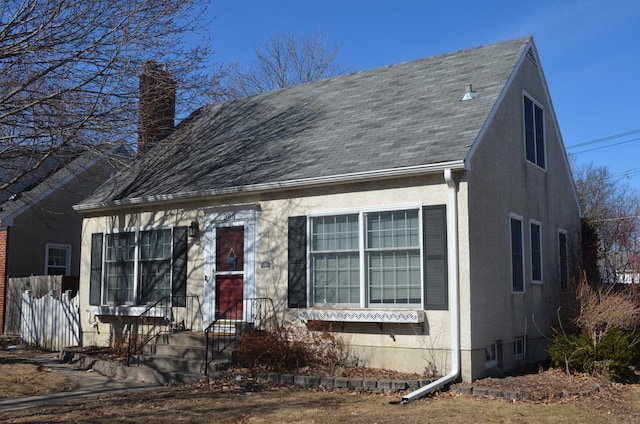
(469, 94)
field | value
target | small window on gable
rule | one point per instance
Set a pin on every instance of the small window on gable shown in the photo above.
(534, 133)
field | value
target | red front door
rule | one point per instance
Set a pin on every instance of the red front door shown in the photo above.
(229, 272)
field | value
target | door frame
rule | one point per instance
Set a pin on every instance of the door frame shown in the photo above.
(214, 219)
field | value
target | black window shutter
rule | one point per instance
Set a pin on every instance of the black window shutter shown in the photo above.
(179, 267)
(297, 260)
(95, 283)
(436, 288)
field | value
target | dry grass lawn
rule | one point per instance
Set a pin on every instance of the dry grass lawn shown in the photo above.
(191, 404)
(21, 376)
(228, 401)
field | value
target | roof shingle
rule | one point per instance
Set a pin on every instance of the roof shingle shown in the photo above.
(403, 115)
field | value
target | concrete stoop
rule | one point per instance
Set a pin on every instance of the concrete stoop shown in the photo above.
(172, 358)
(134, 373)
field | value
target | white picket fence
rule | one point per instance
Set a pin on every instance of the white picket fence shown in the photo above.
(50, 323)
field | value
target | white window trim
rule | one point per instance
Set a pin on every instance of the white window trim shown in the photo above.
(544, 129)
(347, 211)
(539, 224)
(65, 246)
(524, 285)
(364, 300)
(136, 263)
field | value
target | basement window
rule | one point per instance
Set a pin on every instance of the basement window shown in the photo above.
(518, 348)
(491, 355)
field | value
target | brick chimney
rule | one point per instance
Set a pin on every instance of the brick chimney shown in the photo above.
(157, 105)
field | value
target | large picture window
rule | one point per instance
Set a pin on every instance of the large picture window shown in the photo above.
(391, 258)
(138, 267)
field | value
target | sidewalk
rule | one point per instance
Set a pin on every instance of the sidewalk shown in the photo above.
(90, 384)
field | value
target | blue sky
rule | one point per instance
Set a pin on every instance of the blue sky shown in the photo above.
(589, 50)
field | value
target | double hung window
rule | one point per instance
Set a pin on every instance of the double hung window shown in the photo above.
(58, 260)
(138, 267)
(336, 259)
(562, 258)
(393, 257)
(536, 252)
(517, 257)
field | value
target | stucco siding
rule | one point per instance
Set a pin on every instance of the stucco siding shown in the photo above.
(387, 345)
(502, 183)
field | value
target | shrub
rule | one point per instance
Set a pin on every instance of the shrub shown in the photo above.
(612, 357)
(291, 346)
(607, 344)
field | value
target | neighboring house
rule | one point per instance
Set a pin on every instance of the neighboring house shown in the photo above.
(624, 268)
(39, 230)
(426, 208)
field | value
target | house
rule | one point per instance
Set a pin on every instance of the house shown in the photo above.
(426, 209)
(39, 230)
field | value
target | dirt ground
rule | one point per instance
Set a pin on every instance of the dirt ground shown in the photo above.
(555, 397)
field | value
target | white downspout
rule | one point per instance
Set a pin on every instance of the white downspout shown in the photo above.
(454, 294)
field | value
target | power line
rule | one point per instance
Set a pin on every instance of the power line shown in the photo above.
(600, 140)
(618, 218)
(627, 174)
(601, 147)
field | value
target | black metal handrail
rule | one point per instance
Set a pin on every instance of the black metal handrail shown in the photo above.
(159, 318)
(229, 325)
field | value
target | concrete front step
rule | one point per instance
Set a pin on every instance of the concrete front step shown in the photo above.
(182, 352)
(173, 357)
(182, 338)
(168, 363)
(121, 371)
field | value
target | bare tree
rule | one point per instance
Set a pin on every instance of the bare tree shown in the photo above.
(611, 209)
(69, 72)
(286, 59)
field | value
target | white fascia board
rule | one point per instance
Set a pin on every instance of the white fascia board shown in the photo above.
(276, 186)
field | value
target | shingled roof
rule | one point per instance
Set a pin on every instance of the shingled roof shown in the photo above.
(391, 118)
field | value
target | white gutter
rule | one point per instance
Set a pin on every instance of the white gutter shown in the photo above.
(454, 294)
(409, 171)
